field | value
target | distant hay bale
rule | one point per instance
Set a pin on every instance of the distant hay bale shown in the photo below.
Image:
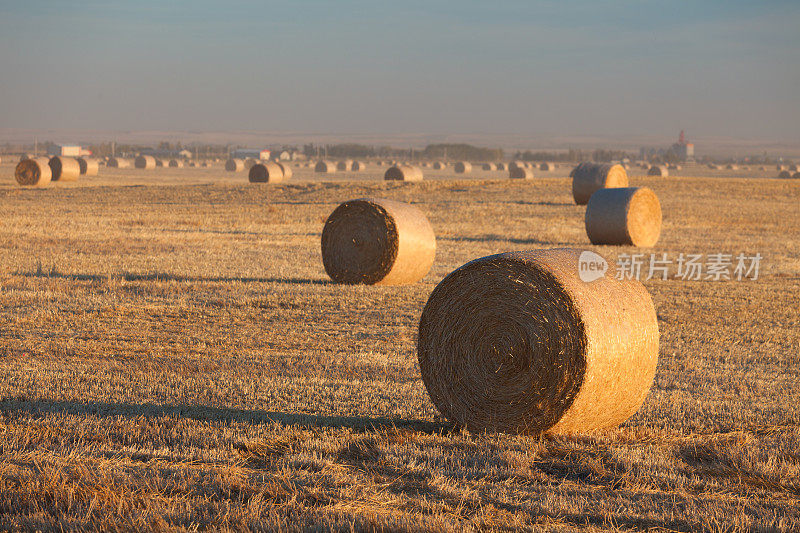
(658, 170)
(547, 167)
(796, 176)
(177, 163)
(784, 174)
(33, 172)
(231, 165)
(439, 165)
(762, 168)
(518, 164)
(88, 166)
(345, 165)
(520, 173)
(118, 162)
(673, 167)
(463, 167)
(145, 161)
(159, 163)
(624, 215)
(731, 166)
(326, 167)
(358, 166)
(403, 173)
(519, 343)
(375, 241)
(780, 167)
(287, 170)
(589, 177)
(645, 165)
(265, 172)
(502, 166)
(249, 162)
(23, 157)
(489, 166)
(64, 169)
(794, 168)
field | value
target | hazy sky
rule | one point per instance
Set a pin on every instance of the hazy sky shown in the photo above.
(546, 68)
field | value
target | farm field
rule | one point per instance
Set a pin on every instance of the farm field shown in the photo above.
(174, 356)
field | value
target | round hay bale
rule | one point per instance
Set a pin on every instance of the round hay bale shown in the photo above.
(519, 343)
(358, 166)
(489, 166)
(375, 241)
(780, 167)
(287, 170)
(325, 167)
(177, 163)
(796, 176)
(118, 162)
(159, 163)
(265, 172)
(658, 170)
(439, 165)
(673, 167)
(403, 173)
(232, 165)
(520, 173)
(624, 215)
(502, 166)
(794, 168)
(589, 177)
(517, 164)
(33, 172)
(732, 167)
(547, 167)
(463, 167)
(145, 161)
(250, 162)
(345, 165)
(23, 157)
(64, 168)
(784, 174)
(88, 166)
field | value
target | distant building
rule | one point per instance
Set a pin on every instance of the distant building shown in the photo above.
(250, 153)
(684, 150)
(69, 150)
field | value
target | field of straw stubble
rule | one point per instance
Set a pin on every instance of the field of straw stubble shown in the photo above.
(174, 356)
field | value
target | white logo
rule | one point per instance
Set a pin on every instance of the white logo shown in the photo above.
(591, 266)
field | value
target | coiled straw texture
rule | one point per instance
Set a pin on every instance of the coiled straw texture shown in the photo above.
(376, 241)
(518, 343)
(589, 177)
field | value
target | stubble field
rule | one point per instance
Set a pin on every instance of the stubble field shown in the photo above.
(172, 355)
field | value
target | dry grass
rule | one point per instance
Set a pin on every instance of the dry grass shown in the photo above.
(175, 357)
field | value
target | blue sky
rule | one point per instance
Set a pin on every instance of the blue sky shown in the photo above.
(547, 68)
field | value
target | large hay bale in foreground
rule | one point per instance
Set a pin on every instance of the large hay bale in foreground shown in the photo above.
(489, 166)
(118, 162)
(658, 170)
(784, 174)
(377, 241)
(88, 166)
(325, 167)
(463, 167)
(358, 166)
(345, 165)
(520, 173)
(589, 177)
(403, 173)
(177, 163)
(439, 165)
(265, 172)
(33, 172)
(287, 170)
(232, 165)
(626, 215)
(64, 168)
(519, 343)
(147, 162)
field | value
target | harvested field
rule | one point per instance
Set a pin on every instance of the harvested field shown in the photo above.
(174, 355)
